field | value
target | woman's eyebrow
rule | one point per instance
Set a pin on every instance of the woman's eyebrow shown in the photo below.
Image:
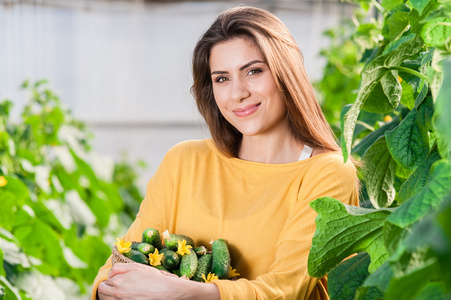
(242, 68)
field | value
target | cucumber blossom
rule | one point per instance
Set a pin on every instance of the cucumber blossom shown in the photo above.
(137, 256)
(152, 236)
(221, 259)
(188, 264)
(144, 248)
(200, 251)
(172, 242)
(203, 267)
(170, 259)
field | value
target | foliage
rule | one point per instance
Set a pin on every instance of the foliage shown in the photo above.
(402, 229)
(61, 202)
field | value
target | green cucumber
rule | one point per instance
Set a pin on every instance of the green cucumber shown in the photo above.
(188, 264)
(161, 268)
(170, 259)
(137, 256)
(203, 267)
(144, 248)
(172, 242)
(221, 259)
(152, 236)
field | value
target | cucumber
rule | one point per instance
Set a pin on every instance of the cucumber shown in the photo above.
(188, 264)
(203, 267)
(221, 259)
(137, 256)
(161, 268)
(144, 248)
(172, 242)
(152, 236)
(170, 259)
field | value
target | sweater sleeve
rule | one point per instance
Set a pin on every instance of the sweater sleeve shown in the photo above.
(287, 277)
(152, 214)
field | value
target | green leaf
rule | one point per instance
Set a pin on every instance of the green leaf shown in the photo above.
(398, 23)
(409, 142)
(417, 20)
(432, 291)
(342, 122)
(442, 122)
(416, 182)
(342, 230)
(379, 174)
(425, 113)
(371, 76)
(437, 32)
(369, 140)
(11, 293)
(344, 279)
(407, 98)
(391, 4)
(427, 199)
(405, 286)
(385, 95)
(379, 280)
(393, 237)
(419, 5)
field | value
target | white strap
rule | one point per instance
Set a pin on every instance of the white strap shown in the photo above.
(306, 153)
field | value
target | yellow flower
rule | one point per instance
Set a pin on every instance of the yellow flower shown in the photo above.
(122, 246)
(399, 79)
(3, 181)
(233, 273)
(183, 248)
(387, 118)
(210, 277)
(155, 258)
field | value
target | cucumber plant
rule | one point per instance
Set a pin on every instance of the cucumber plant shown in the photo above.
(401, 233)
(61, 203)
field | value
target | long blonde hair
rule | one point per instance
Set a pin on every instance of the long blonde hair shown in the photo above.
(306, 120)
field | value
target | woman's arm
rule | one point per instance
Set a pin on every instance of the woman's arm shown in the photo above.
(137, 281)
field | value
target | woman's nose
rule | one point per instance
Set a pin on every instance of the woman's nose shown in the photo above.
(239, 91)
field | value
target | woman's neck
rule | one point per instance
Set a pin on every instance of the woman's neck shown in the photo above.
(275, 149)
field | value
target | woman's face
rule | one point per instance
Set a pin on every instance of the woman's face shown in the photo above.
(244, 89)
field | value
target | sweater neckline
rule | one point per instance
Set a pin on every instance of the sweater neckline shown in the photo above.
(240, 161)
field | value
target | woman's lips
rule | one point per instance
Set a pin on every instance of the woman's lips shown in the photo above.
(247, 110)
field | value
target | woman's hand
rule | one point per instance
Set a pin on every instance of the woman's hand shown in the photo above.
(137, 281)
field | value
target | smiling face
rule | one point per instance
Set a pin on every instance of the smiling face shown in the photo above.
(244, 89)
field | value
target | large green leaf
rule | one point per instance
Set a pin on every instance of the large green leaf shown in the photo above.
(437, 33)
(344, 279)
(342, 230)
(409, 142)
(427, 199)
(417, 180)
(379, 174)
(398, 23)
(419, 5)
(369, 140)
(372, 76)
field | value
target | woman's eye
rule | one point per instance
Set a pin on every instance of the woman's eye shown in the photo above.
(254, 71)
(221, 79)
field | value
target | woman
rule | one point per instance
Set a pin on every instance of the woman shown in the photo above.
(271, 153)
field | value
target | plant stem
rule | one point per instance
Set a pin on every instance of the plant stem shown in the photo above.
(413, 72)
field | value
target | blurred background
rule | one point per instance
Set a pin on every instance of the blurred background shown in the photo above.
(123, 67)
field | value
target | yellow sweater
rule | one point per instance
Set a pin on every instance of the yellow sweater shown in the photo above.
(262, 210)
